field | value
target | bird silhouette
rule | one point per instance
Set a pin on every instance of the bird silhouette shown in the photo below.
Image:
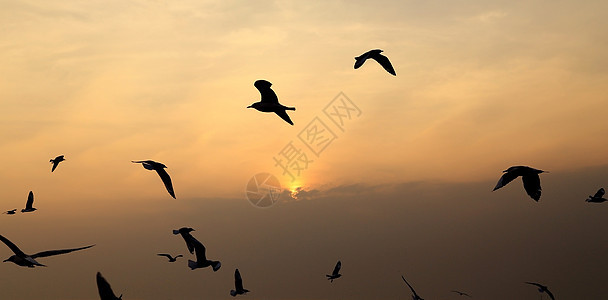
(529, 176)
(10, 212)
(270, 102)
(414, 296)
(336, 273)
(185, 233)
(56, 161)
(160, 169)
(375, 55)
(29, 203)
(462, 294)
(598, 197)
(171, 258)
(238, 285)
(25, 260)
(542, 289)
(197, 247)
(105, 290)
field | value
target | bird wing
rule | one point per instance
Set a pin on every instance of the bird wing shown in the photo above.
(238, 281)
(268, 95)
(187, 238)
(504, 179)
(57, 252)
(166, 180)
(283, 114)
(600, 193)
(104, 288)
(337, 268)
(198, 247)
(30, 200)
(536, 284)
(361, 59)
(12, 246)
(549, 293)
(55, 163)
(411, 288)
(532, 185)
(384, 62)
(165, 255)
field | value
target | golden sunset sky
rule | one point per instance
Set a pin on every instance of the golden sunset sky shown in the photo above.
(405, 188)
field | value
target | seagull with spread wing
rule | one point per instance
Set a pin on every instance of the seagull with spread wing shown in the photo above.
(10, 212)
(375, 55)
(270, 102)
(25, 260)
(542, 289)
(55, 161)
(160, 169)
(29, 204)
(598, 197)
(462, 294)
(529, 176)
(105, 290)
(414, 296)
(336, 273)
(171, 258)
(238, 285)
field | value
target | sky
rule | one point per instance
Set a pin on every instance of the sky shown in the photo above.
(401, 186)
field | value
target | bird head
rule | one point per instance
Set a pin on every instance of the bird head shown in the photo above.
(254, 105)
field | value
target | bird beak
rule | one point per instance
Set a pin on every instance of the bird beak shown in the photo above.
(249, 106)
(5, 260)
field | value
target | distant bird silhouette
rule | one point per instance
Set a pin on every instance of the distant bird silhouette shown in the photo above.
(56, 161)
(160, 169)
(25, 260)
(462, 294)
(529, 176)
(10, 212)
(185, 232)
(105, 290)
(542, 289)
(336, 273)
(415, 296)
(171, 258)
(375, 55)
(270, 102)
(598, 197)
(29, 203)
(238, 285)
(196, 246)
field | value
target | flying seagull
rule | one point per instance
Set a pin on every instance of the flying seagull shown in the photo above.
(185, 232)
(415, 296)
(29, 203)
(375, 55)
(598, 197)
(542, 289)
(336, 273)
(25, 260)
(105, 290)
(160, 169)
(238, 285)
(201, 259)
(270, 101)
(56, 161)
(10, 212)
(171, 258)
(462, 294)
(528, 175)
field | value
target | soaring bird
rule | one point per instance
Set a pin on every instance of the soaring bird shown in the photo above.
(25, 260)
(171, 258)
(10, 212)
(414, 296)
(185, 232)
(238, 285)
(105, 290)
(528, 175)
(29, 203)
(270, 102)
(598, 197)
(56, 161)
(542, 289)
(160, 169)
(336, 273)
(375, 55)
(462, 294)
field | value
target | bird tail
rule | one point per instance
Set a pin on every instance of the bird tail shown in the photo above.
(192, 264)
(216, 265)
(233, 293)
(290, 108)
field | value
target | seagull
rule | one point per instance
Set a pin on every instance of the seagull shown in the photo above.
(462, 294)
(415, 296)
(528, 175)
(194, 245)
(29, 261)
(160, 169)
(10, 212)
(171, 258)
(56, 161)
(270, 102)
(29, 203)
(238, 285)
(336, 273)
(598, 197)
(375, 54)
(105, 290)
(185, 232)
(542, 289)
